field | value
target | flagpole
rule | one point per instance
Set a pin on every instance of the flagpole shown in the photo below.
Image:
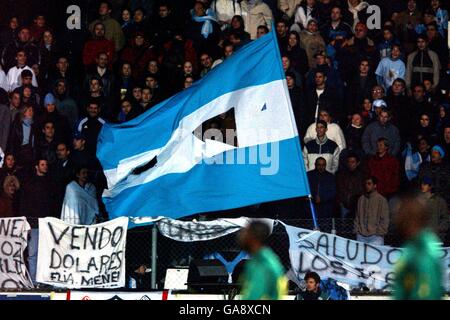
(313, 213)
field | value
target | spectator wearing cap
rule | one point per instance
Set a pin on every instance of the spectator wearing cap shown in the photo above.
(321, 147)
(113, 30)
(359, 87)
(334, 131)
(386, 168)
(62, 127)
(383, 128)
(24, 43)
(311, 41)
(324, 64)
(439, 172)
(436, 208)
(423, 64)
(14, 76)
(390, 68)
(81, 156)
(378, 105)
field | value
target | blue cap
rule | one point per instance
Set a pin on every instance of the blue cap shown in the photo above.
(49, 99)
(427, 180)
(79, 135)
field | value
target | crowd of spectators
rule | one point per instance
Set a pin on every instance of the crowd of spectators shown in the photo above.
(372, 105)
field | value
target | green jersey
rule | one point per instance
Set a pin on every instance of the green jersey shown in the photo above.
(263, 277)
(419, 270)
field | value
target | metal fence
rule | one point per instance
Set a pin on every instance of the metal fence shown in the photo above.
(175, 254)
(145, 245)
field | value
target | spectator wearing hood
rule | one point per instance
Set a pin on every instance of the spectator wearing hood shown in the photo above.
(62, 128)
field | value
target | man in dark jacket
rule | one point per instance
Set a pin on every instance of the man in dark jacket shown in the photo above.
(359, 88)
(381, 129)
(322, 97)
(23, 42)
(350, 185)
(323, 189)
(298, 103)
(38, 200)
(90, 127)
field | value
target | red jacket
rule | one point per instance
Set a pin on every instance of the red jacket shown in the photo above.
(387, 170)
(93, 47)
(139, 57)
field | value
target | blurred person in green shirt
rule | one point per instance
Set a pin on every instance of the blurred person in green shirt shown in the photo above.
(418, 273)
(263, 277)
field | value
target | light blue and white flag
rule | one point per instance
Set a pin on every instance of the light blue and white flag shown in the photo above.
(156, 166)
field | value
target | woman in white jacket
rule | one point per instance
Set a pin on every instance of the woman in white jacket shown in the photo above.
(256, 13)
(305, 12)
(225, 10)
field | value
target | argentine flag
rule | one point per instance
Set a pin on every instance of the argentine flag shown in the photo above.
(161, 164)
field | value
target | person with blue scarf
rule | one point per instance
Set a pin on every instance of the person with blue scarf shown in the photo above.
(204, 29)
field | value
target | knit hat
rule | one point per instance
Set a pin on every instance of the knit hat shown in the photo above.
(49, 99)
(439, 149)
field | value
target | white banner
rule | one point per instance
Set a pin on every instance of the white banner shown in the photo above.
(347, 261)
(187, 231)
(86, 296)
(13, 241)
(75, 256)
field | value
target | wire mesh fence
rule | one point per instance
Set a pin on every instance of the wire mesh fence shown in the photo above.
(173, 254)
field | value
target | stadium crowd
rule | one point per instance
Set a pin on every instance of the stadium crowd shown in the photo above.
(372, 105)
